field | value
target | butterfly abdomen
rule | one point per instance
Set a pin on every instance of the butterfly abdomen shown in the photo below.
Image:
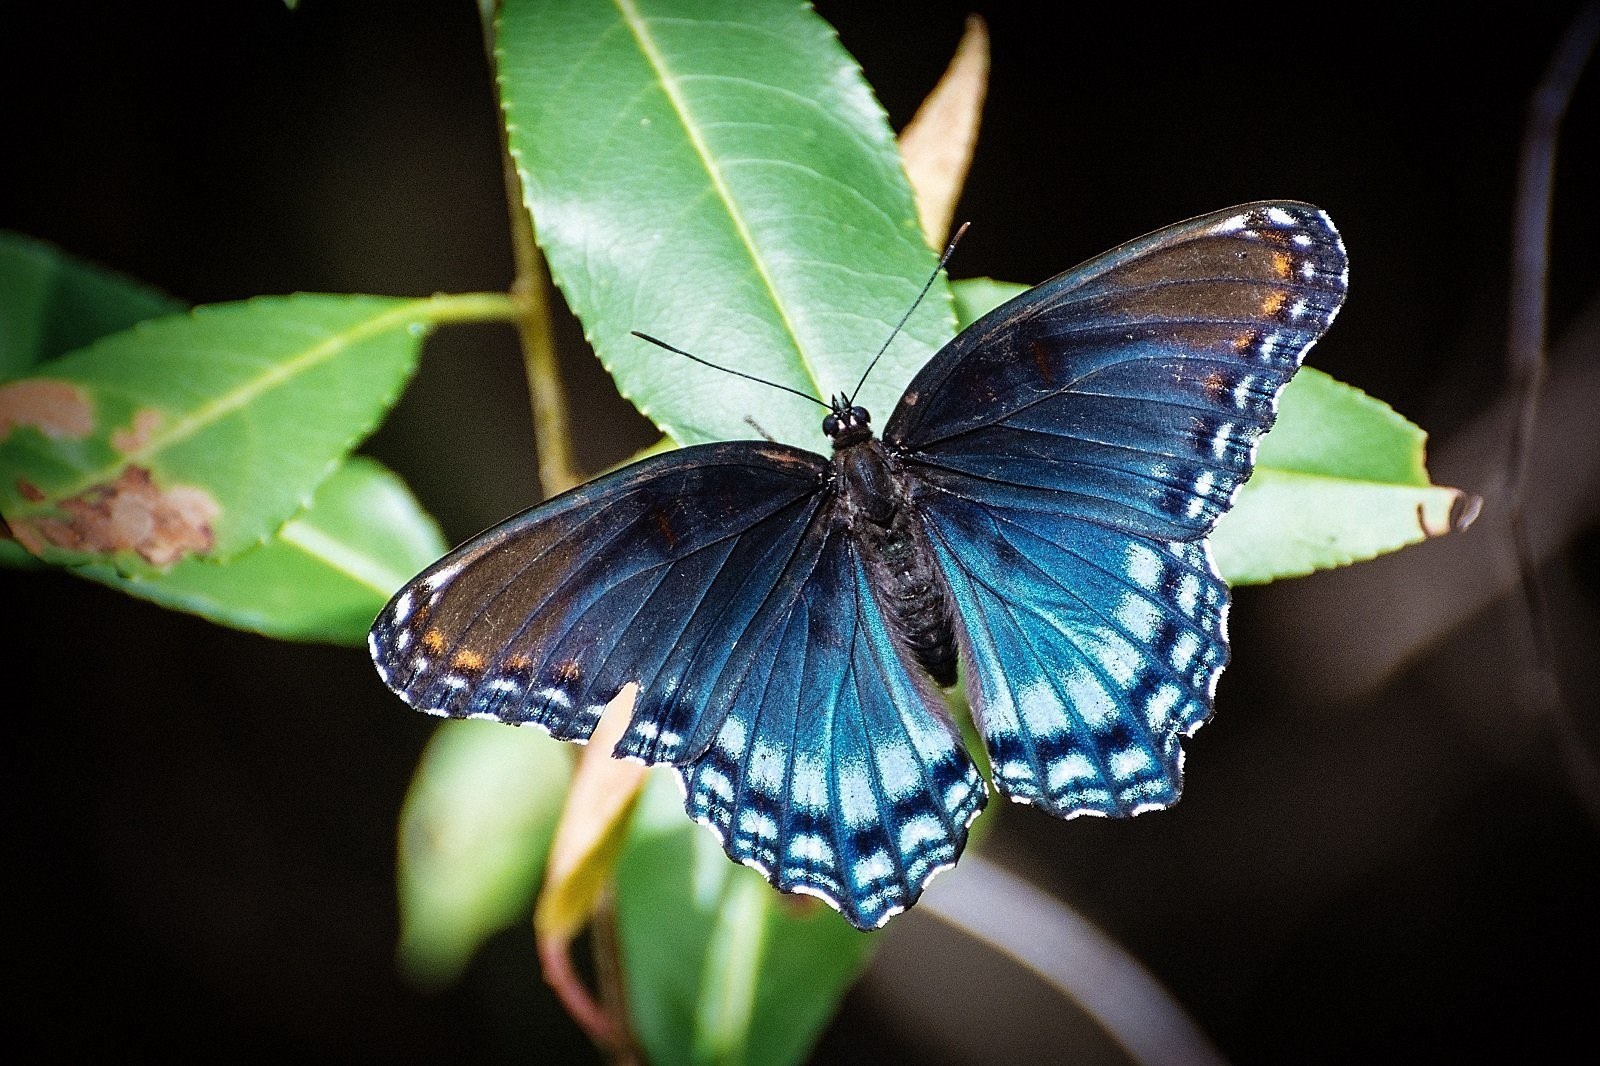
(901, 567)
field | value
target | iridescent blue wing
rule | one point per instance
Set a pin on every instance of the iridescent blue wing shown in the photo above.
(1069, 452)
(719, 579)
(839, 775)
(645, 575)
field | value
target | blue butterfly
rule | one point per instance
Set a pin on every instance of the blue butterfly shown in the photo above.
(1035, 510)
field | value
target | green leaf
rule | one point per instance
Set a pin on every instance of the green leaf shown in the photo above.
(721, 967)
(324, 576)
(718, 174)
(198, 434)
(51, 303)
(1340, 477)
(976, 297)
(474, 835)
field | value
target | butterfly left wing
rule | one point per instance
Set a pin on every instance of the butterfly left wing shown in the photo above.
(1069, 451)
(648, 575)
(836, 773)
(720, 580)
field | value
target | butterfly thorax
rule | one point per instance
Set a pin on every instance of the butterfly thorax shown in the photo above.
(873, 502)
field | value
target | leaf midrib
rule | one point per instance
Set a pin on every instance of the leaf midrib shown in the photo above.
(636, 24)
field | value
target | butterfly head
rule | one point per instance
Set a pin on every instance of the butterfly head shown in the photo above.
(846, 423)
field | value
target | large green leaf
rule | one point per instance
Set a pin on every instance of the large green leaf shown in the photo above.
(717, 173)
(322, 576)
(198, 434)
(1339, 478)
(51, 303)
(721, 968)
(474, 836)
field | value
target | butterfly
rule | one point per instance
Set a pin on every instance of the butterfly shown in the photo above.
(1035, 511)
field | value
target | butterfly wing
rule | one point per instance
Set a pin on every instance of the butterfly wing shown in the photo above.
(720, 579)
(839, 775)
(644, 575)
(1070, 450)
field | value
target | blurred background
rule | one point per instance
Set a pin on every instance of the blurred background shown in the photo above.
(1383, 850)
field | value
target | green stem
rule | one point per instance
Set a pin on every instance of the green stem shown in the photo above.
(552, 432)
(452, 308)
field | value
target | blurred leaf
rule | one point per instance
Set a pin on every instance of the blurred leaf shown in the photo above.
(718, 174)
(593, 824)
(1340, 477)
(720, 967)
(937, 143)
(200, 433)
(324, 575)
(474, 835)
(51, 303)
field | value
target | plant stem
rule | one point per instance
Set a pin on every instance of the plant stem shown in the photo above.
(530, 289)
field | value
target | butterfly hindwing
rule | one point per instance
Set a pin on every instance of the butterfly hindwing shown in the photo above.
(838, 776)
(1069, 451)
(1089, 652)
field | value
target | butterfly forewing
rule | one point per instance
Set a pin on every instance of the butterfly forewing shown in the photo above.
(641, 576)
(1069, 451)
(1131, 390)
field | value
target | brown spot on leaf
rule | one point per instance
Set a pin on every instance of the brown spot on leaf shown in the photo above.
(136, 436)
(1464, 508)
(58, 409)
(129, 514)
(29, 491)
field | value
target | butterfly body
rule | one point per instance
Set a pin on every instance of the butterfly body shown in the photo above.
(1035, 509)
(875, 504)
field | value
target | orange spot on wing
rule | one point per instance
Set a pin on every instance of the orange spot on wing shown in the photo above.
(1244, 339)
(1274, 302)
(433, 640)
(1282, 264)
(466, 659)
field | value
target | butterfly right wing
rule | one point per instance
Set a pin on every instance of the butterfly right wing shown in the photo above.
(646, 575)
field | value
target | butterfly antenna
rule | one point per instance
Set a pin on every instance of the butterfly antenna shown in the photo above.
(943, 259)
(726, 369)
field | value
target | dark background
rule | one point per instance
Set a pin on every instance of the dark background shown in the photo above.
(1379, 854)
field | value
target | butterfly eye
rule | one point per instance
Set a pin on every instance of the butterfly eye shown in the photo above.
(859, 415)
(830, 426)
